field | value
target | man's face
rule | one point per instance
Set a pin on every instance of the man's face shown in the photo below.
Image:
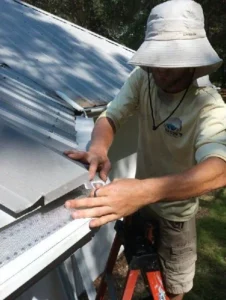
(172, 80)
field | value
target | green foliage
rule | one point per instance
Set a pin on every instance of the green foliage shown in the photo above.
(211, 265)
(123, 21)
(215, 17)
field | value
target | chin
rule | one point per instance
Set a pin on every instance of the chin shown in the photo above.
(161, 85)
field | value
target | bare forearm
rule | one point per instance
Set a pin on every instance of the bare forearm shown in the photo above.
(102, 135)
(204, 177)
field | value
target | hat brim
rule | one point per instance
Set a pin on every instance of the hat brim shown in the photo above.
(196, 53)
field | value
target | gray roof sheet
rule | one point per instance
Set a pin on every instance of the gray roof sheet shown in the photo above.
(61, 56)
(31, 174)
(27, 106)
(40, 55)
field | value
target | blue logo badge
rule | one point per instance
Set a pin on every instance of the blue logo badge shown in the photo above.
(173, 127)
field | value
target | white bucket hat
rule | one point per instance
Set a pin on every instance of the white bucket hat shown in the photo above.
(176, 38)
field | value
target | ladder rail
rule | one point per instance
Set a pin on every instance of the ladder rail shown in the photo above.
(144, 264)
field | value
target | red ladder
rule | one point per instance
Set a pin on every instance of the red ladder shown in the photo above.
(140, 262)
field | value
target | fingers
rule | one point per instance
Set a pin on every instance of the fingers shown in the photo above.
(84, 202)
(68, 152)
(91, 212)
(97, 186)
(76, 155)
(105, 170)
(99, 192)
(95, 162)
(82, 156)
(93, 168)
(102, 220)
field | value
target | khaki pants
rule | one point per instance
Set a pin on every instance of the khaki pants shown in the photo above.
(176, 243)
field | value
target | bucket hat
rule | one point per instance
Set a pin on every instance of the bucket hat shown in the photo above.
(176, 38)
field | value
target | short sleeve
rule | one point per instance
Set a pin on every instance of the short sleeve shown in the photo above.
(211, 133)
(127, 100)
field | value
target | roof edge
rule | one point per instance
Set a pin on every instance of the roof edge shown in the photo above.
(73, 25)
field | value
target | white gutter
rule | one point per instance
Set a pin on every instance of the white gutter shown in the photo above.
(22, 269)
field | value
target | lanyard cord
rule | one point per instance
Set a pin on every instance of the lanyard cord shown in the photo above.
(155, 127)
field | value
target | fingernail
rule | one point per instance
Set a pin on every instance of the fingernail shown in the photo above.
(75, 215)
(67, 204)
(92, 224)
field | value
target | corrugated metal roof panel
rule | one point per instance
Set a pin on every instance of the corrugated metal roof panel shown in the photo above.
(27, 106)
(32, 174)
(60, 55)
(39, 56)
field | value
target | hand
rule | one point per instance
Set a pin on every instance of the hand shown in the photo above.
(97, 161)
(118, 199)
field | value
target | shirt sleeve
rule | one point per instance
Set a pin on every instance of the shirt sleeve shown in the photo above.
(127, 100)
(211, 137)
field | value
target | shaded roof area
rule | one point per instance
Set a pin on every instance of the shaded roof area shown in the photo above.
(27, 106)
(41, 55)
(61, 56)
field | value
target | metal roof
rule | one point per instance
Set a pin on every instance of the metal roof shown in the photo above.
(61, 56)
(33, 175)
(27, 106)
(40, 56)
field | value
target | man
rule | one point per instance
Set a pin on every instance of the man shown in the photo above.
(181, 146)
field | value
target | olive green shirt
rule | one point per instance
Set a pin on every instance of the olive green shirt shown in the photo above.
(194, 132)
